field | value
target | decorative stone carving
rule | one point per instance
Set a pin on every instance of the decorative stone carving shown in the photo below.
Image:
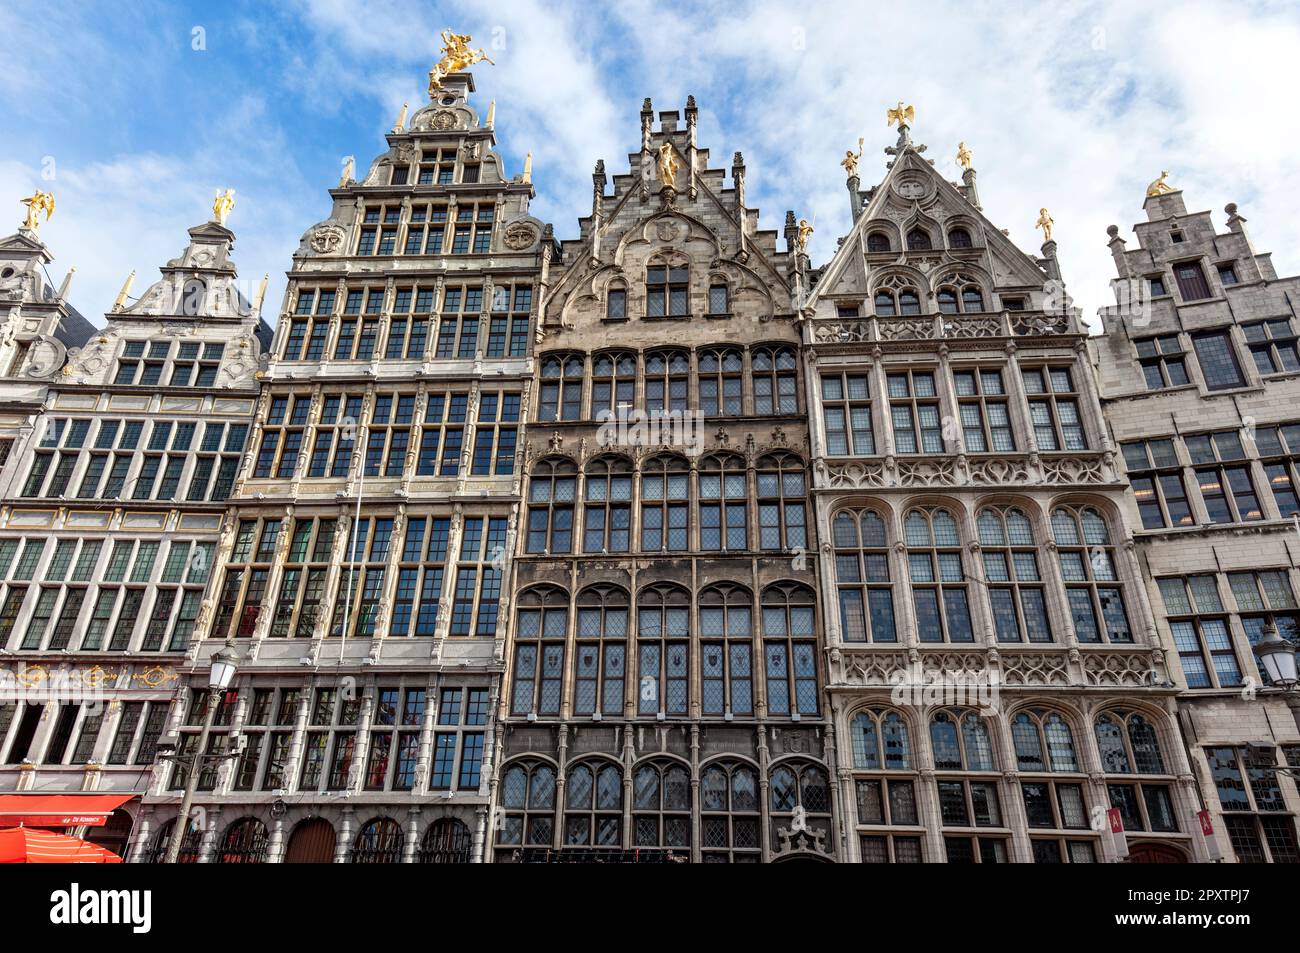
(999, 471)
(928, 473)
(327, 238)
(855, 475)
(1072, 470)
(443, 120)
(519, 236)
(893, 330)
(1051, 670)
(842, 332)
(1114, 670)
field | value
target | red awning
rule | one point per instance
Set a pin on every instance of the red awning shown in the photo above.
(22, 845)
(58, 810)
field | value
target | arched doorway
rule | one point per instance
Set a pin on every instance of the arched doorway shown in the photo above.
(312, 842)
(1156, 854)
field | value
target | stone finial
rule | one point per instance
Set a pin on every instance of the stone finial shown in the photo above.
(645, 105)
(690, 102)
(1113, 231)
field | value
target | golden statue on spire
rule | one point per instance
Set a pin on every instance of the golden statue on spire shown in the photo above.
(850, 160)
(801, 239)
(903, 115)
(223, 205)
(963, 156)
(1045, 222)
(40, 202)
(1160, 186)
(456, 56)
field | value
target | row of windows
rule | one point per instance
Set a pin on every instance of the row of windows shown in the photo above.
(88, 597)
(1202, 624)
(673, 654)
(918, 238)
(716, 381)
(426, 230)
(1255, 815)
(429, 433)
(414, 329)
(1220, 467)
(1164, 358)
(169, 363)
(662, 503)
(912, 402)
(593, 811)
(369, 558)
(129, 733)
(172, 463)
(1189, 276)
(1008, 570)
(391, 743)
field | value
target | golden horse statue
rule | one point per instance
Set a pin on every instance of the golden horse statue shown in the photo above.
(456, 56)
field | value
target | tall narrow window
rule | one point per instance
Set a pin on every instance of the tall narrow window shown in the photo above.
(938, 579)
(1087, 560)
(1218, 357)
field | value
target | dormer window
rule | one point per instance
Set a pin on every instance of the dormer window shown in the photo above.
(878, 242)
(918, 239)
(959, 238)
(666, 291)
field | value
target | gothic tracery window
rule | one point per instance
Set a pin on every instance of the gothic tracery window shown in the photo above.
(661, 805)
(593, 805)
(552, 487)
(601, 651)
(938, 579)
(866, 595)
(729, 808)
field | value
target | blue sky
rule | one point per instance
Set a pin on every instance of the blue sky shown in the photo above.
(135, 114)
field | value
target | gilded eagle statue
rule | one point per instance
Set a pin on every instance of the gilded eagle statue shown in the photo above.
(456, 56)
(903, 115)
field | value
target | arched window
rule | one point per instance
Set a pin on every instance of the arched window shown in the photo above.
(729, 810)
(593, 805)
(1128, 745)
(613, 382)
(969, 806)
(378, 842)
(667, 290)
(667, 380)
(243, 843)
(775, 380)
(959, 238)
(601, 651)
(878, 242)
(790, 649)
(721, 379)
(880, 743)
(447, 841)
(561, 397)
(972, 299)
(797, 788)
(918, 239)
(782, 519)
(551, 489)
(661, 806)
(947, 301)
(908, 302)
(1092, 587)
(607, 514)
(191, 846)
(528, 805)
(960, 740)
(726, 650)
(862, 573)
(719, 298)
(724, 491)
(616, 302)
(663, 650)
(539, 651)
(665, 504)
(1056, 805)
(1011, 570)
(938, 580)
(885, 307)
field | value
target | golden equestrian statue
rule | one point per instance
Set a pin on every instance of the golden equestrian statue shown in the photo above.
(456, 56)
(1045, 222)
(963, 156)
(40, 202)
(668, 164)
(1160, 186)
(903, 115)
(223, 205)
(850, 160)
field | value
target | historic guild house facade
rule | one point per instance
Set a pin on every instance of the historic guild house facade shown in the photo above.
(656, 543)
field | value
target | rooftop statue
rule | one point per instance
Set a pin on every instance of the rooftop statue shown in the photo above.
(456, 56)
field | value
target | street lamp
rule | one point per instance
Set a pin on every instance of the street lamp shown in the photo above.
(221, 675)
(1278, 658)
